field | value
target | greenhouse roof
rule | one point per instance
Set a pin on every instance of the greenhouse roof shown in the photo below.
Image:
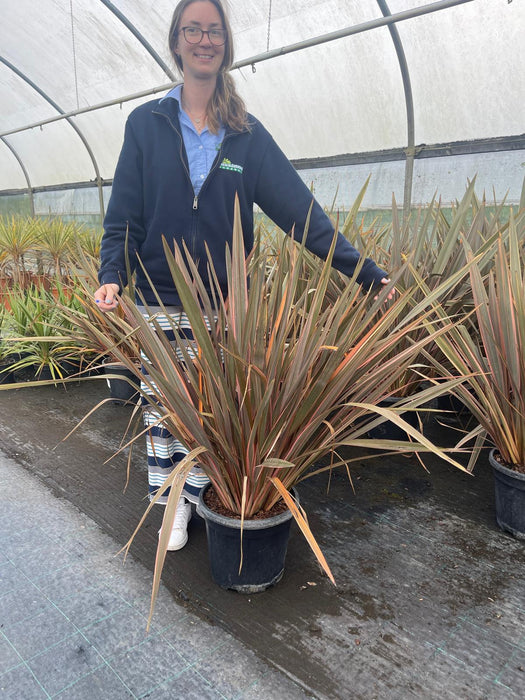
(325, 77)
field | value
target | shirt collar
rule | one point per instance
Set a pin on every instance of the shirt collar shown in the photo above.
(174, 93)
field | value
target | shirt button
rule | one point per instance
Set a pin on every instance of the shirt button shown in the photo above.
(202, 177)
(200, 148)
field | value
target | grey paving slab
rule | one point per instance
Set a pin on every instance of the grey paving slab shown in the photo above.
(45, 557)
(73, 616)
(9, 658)
(21, 603)
(64, 663)
(186, 636)
(38, 633)
(9, 576)
(18, 543)
(243, 671)
(20, 684)
(122, 629)
(477, 646)
(505, 618)
(189, 685)
(70, 579)
(101, 684)
(145, 666)
(93, 605)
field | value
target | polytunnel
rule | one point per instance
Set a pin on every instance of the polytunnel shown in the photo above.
(375, 401)
(422, 97)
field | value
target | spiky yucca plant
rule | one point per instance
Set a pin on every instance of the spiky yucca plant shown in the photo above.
(18, 238)
(40, 329)
(56, 239)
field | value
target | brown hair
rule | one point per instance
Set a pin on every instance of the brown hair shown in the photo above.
(226, 106)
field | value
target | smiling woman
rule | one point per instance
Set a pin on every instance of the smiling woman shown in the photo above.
(185, 160)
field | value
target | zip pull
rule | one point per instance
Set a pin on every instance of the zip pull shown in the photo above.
(195, 203)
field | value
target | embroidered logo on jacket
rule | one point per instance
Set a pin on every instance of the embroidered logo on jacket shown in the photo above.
(228, 165)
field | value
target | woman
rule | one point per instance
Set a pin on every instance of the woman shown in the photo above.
(183, 160)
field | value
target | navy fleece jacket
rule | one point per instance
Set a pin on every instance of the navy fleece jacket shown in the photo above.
(152, 197)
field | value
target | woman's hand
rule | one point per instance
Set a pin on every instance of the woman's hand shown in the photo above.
(105, 297)
(391, 293)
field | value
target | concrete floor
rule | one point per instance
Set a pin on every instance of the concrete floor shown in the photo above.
(430, 596)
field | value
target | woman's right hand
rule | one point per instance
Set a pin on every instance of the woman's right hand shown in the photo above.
(105, 297)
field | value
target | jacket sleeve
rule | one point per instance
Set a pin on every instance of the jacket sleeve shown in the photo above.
(124, 217)
(284, 197)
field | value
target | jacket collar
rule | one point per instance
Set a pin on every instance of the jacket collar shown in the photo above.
(169, 106)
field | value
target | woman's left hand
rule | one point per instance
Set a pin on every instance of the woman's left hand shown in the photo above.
(391, 293)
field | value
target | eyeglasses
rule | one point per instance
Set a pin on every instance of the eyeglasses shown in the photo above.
(193, 35)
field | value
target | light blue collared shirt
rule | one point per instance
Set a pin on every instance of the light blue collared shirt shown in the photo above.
(202, 148)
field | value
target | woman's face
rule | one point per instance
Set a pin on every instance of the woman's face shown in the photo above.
(203, 60)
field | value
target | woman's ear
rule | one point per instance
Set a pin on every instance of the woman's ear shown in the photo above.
(175, 48)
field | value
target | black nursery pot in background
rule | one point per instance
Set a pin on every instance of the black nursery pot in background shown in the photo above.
(264, 546)
(390, 431)
(6, 375)
(121, 390)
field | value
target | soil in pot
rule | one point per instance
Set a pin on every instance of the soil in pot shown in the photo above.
(264, 545)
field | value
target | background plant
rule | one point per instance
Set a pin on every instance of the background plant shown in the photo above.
(37, 250)
(55, 241)
(40, 329)
(427, 249)
(492, 361)
(17, 247)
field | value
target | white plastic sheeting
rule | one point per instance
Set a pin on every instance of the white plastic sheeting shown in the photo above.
(466, 66)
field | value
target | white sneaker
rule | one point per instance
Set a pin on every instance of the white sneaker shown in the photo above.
(179, 532)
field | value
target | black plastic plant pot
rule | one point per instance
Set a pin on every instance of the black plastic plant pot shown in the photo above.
(7, 376)
(264, 546)
(387, 430)
(44, 374)
(61, 371)
(451, 403)
(121, 391)
(509, 491)
(70, 367)
(453, 409)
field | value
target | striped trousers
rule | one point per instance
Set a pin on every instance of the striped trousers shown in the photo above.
(164, 450)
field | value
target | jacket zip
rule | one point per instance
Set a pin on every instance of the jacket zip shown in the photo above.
(195, 205)
(213, 168)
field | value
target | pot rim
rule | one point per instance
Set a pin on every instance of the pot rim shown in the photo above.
(235, 523)
(502, 468)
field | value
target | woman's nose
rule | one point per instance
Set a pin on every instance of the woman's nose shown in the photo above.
(205, 38)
